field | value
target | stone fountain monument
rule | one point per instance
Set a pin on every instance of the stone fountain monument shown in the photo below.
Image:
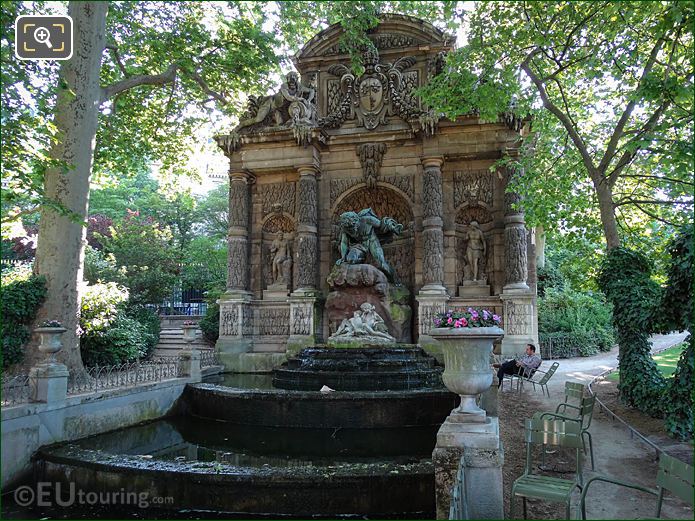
(309, 161)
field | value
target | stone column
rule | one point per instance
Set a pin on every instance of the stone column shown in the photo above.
(432, 297)
(304, 299)
(307, 255)
(236, 321)
(432, 234)
(238, 238)
(519, 300)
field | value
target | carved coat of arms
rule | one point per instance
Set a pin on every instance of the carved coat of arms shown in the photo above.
(374, 95)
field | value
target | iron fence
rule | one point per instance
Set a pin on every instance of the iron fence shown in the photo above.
(209, 357)
(16, 389)
(99, 378)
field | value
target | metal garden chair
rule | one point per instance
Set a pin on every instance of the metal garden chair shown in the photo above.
(535, 380)
(673, 476)
(529, 485)
(574, 392)
(583, 416)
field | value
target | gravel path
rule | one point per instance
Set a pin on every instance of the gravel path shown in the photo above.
(617, 454)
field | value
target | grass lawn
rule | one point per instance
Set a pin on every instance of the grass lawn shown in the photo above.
(666, 361)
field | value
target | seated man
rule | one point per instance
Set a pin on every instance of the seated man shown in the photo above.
(526, 365)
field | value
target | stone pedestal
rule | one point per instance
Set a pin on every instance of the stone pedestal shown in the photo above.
(235, 329)
(428, 307)
(276, 291)
(303, 322)
(519, 322)
(476, 446)
(190, 362)
(474, 288)
(351, 285)
(49, 382)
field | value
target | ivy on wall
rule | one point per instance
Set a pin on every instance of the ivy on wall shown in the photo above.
(676, 313)
(625, 278)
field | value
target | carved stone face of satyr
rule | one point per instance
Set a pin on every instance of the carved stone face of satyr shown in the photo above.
(371, 94)
(292, 80)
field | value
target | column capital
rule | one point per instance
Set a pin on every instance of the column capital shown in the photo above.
(241, 175)
(308, 169)
(432, 161)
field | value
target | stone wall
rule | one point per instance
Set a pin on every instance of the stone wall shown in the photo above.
(27, 427)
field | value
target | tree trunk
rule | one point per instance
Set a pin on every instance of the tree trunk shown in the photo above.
(607, 209)
(60, 250)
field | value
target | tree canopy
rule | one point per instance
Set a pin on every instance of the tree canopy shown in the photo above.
(609, 88)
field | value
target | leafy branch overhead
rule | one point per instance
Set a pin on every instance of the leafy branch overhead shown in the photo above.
(610, 88)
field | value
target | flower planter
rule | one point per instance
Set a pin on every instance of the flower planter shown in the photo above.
(50, 341)
(189, 333)
(467, 362)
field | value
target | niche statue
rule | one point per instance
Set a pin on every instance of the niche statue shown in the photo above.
(364, 232)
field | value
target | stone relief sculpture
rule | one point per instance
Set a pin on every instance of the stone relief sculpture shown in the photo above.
(365, 325)
(282, 259)
(371, 155)
(362, 233)
(373, 96)
(476, 252)
(293, 103)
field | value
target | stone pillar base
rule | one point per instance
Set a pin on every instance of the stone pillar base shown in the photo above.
(276, 292)
(190, 358)
(49, 382)
(428, 306)
(519, 323)
(476, 447)
(474, 288)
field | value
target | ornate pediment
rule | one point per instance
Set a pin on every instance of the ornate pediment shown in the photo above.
(393, 32)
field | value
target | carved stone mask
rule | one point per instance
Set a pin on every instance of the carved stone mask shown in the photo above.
(371, 94)
(292, 80)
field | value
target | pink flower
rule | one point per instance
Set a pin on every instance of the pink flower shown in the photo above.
(464, 322)
(449, 321)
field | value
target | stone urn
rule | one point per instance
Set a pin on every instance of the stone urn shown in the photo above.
(50, 342)
(189, 333)
(467, 369)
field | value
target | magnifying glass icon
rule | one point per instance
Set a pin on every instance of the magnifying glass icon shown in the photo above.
(43, 35)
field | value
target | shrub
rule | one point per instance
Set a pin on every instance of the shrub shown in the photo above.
(125, 340)
(22, 294)
(100, 267)
(582, 320)
(561, 344)
(150, 320)
(549, 277)
(210, 323)
(100, 305)
(113, 331)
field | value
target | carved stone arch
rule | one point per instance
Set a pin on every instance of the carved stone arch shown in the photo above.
(473, 212)
(386, 201)
(280, 221)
